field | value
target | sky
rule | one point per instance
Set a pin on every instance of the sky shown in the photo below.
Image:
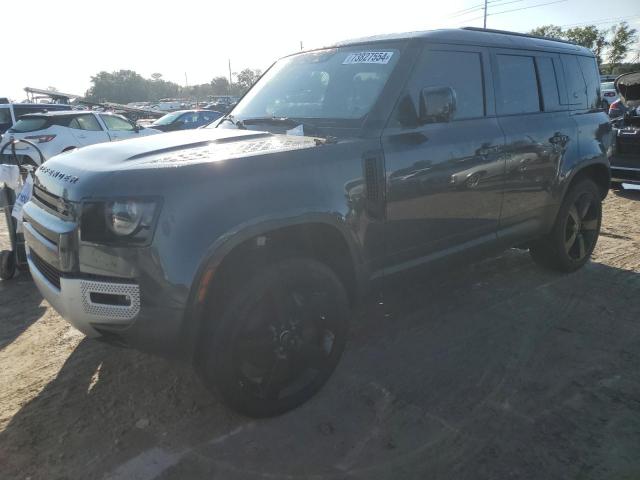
(62, 43)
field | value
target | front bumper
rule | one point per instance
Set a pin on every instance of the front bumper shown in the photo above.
(91, 306)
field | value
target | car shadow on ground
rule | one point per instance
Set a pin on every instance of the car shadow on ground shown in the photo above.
(495, 370)
(20, 306)
(628, 193)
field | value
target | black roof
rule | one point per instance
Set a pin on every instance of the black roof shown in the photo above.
(478, 36)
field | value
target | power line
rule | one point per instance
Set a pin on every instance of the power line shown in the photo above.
(480, 6)
(600, 21)
(518, 9)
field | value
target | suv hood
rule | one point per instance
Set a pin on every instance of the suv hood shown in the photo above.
(628, 87)
(177, 148)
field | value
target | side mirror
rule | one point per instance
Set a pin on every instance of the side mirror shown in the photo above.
(437, 104)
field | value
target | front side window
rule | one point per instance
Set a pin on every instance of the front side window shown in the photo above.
(338, 83)
(518, 92)
(462, 71)
(116, 123)
(189, 118)
(88, 122)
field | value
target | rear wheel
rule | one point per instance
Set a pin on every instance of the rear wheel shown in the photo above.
(278, 339)
(575, 233)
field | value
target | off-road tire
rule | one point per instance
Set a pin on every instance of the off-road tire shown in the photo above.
(575, 233)
(273, 288)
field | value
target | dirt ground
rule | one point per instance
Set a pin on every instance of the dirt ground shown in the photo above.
(498, 370)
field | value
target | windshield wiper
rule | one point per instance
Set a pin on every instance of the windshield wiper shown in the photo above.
(293, 122)
(308, 128)
(230, 118)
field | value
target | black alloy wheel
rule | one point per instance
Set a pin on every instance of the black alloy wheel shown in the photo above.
(279, 339)
(581, 230)
(575, 232)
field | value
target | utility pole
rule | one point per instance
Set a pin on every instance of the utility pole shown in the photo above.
(230, 79)
(301, 47)
(485, 14)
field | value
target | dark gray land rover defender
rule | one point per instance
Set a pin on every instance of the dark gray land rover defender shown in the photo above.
(243, 246)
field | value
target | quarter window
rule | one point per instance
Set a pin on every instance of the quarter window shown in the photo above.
(576, 88)
(518, 92)
(592, 79)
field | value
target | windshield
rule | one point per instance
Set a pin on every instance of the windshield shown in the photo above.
(339, 83)
(29, 124)
(168, 118)
(608, 86)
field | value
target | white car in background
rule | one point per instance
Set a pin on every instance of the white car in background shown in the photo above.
(57, 132)
(609, 94)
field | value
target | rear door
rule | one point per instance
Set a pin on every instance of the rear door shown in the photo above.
(533, 113)
(87, 130)
(118, 128)
(444, 179)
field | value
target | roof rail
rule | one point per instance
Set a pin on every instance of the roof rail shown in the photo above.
(517, 34)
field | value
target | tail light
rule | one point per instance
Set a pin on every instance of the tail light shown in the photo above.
(40, 138)
(609, 94)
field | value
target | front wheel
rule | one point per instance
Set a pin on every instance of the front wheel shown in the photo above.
(7, 265)
(278, 339)
(574, 235)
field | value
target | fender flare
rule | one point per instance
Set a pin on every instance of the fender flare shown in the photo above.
(227, 242)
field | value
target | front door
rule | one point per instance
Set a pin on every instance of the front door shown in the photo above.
(119, 128)
(87, 131)
(444, 179)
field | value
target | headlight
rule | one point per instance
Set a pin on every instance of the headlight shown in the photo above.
(124, 217)
(122, 221)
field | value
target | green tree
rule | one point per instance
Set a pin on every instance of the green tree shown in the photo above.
(220, 86)
(622, 38)
(589, 37)
(246, 78)
(551, 31)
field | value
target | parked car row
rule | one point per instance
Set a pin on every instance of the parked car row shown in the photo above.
(62, 131)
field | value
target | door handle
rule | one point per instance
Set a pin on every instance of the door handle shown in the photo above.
(559, 139)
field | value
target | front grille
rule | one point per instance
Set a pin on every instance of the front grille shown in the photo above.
(53, 203)
(49, 271)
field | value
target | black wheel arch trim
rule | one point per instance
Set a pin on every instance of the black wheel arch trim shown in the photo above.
(227, 242)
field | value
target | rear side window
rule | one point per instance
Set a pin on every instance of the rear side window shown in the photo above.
(518, 86)
(30, 124)
(548, 78)
(592, 79)
(576, 88)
